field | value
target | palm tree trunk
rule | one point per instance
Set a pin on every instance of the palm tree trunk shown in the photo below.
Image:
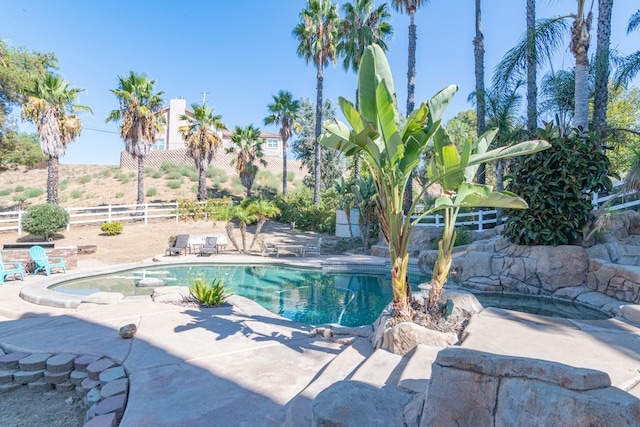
(532, 88)
(411, 88)
(232, 239)
(478, 50)
(601, 96)
(284, 167)
(52, 180)
(316, 143)
(140, 200)
(202, 182)
(259, 226)
(580, 40)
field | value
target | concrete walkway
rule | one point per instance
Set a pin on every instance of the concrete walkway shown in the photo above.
(240, 365)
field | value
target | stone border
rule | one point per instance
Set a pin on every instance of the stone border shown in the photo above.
(100, 384)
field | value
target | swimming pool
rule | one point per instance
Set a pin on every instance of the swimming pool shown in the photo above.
(307, 295)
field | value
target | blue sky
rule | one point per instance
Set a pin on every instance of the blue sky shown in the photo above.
(242, 53)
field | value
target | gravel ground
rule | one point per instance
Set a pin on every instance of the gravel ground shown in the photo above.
(26, 408)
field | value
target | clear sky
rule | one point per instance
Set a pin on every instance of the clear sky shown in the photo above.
(242, 52)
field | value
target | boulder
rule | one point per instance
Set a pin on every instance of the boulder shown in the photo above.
(150, 282)
(349, 403)
(405, 336)
(471, 388)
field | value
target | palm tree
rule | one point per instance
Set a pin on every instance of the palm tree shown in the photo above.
(478, 50)
(262, 210)
(51, 106)
(138, 112)
(630, 65)
(317, 37)
(362, 25)
(532, 68)
(247, 151)
(202, 136)
(410, 7)
(601, 94)
(285, 112)
(547, 37)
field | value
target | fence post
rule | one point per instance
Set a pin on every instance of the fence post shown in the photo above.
(19, 222)
(437, 220)
(146, 212)
(69, 222)
(109, 214)
(480, 220)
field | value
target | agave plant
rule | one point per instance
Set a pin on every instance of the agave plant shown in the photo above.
(391, 153)
(209, 294)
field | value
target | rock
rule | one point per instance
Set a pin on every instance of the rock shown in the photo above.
(170, 293)
(405, 336)
(464, 303)
(128, 331)
(350, 403)
(477, 264)
(464, 392)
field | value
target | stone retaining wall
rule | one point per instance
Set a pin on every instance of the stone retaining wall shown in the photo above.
(99, 384)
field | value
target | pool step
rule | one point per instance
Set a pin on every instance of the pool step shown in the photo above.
(359, 362)
(340, 368)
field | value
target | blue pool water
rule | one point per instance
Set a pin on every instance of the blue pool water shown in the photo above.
(309, 296)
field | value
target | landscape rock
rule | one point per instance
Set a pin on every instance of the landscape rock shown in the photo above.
(405, 336)
(103, 298)
(349, 403)
(150, 282)
(128, 331)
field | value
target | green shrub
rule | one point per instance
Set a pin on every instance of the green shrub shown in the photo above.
(30, 193)
(5, 192)
(63, 184)
(19, 198)
(122, 177)
(119, 195)
(152, 192)
(106, 173)
(84, 179)
(299, 208)
(44, 220)
(18, 189)
(175, 184)
(157, 174)
(76, 194)
(209, 294)
(556, 184)
(111, 228)
(463, 237)
(221, 174)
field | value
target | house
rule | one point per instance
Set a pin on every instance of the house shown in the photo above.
(171, 139)
(169, 146)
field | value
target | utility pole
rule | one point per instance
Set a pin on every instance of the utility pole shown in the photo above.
(204, 97)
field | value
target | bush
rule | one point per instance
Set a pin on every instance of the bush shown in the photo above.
(152, 192)
(463, 237)
(299, 208)
(63, 184)
(18, 189)
(44, 220)
(175, 184)
(76, 194)
(209, 294)
(84, 179)
(111, 228)
(556, 183)
(122, 177)
(5, 192)
(30, 193)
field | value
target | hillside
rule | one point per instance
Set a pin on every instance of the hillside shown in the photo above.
(92, 185)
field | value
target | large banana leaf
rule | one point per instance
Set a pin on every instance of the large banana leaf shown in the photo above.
(351, 114)
(527, 147)
(439, 103)
(374, 68)
(387, 119)
(480, 147)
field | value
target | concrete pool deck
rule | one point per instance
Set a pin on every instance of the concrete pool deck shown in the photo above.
(241, 365)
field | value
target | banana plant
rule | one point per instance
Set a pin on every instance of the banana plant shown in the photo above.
(391, 153)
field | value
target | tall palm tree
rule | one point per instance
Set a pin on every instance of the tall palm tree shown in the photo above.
(547, 37)
(285, 112)
(532, 68)
(50, 104)
(630, 65)
(363, 24)
(601, 95)
(248, 152)
(202, 136)
(138, 112)
(410, 7)
(317, 37)
(481, 110)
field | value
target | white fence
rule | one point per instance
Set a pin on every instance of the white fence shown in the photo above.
(478, 220)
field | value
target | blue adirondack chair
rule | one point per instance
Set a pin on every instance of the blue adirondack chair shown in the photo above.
(42, 262)
(10, 269)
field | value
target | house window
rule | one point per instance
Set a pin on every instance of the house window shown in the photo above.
(272, 143)
(158, 145)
